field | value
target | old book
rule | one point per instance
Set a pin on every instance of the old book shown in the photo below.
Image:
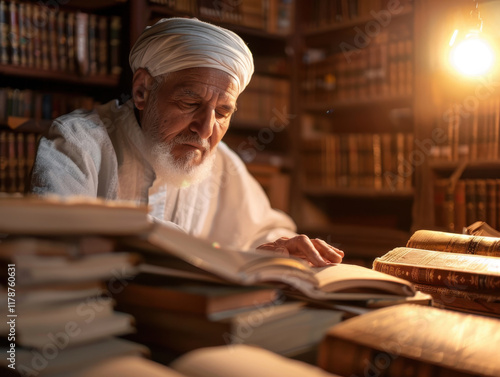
(455, 243)
(149, 291)
(72, 215)
(4, 32)
(114, 45)
(411, 341)
(463, 301)
(481, 228)
(470, 273)
(82, 43)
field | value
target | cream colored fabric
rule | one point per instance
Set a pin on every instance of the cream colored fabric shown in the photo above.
(173, 44)
(101, 154)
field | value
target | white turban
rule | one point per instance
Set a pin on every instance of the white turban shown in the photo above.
(173, 44)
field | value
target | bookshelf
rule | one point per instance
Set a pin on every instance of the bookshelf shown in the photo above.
(54, 58)
(356, 126)
(457, 120)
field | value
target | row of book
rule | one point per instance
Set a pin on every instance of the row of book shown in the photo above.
(465, 201)
(375, 161)
(469, 132)
(383, 68)
(37, 105)
(17, 156)
(323, 13)
(265, 102)
(271, 16)
(38, 36)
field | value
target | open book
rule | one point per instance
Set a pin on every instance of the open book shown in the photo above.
(336, 282)
(459, 271)
(223, 361)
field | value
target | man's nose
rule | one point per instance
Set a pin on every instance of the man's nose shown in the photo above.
(203, 122)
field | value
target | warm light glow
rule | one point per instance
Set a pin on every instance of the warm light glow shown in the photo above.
(472, 56)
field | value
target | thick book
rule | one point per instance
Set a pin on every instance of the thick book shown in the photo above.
(53, 215)
(455, 243)
(463, 272)
(412, 341)
(190, 296)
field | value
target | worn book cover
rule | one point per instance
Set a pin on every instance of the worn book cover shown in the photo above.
(412, 341)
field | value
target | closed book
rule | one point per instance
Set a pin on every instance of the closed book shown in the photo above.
(13, 36)
(189, 296)
(82, 43)
(463, 301)
(471, 273)
(455, 243)
(4, 32)
(412, 341)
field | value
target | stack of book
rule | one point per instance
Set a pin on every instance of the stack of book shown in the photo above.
(57, 280)
(460, 271)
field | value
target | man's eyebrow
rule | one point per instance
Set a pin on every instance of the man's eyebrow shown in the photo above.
(192, 94)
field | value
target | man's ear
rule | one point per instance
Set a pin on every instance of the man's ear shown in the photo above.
(141, 87)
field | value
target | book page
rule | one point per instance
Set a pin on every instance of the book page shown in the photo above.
(344, 277)
(242, 361)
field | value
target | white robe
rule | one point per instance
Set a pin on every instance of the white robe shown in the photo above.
(101, 154)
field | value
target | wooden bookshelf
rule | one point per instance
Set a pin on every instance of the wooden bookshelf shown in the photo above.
(63, 77)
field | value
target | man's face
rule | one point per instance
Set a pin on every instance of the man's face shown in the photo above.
(189, 113)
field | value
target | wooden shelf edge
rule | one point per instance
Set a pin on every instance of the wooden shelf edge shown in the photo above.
(40, 74)
(375, 101)
(360, 192)
(472, 164)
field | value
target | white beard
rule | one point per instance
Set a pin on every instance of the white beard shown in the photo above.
(179, 172)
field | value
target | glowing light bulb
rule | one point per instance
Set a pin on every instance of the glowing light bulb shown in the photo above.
(472, 56)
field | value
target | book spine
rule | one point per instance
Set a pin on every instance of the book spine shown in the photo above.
(103, 46)
(62, 42)
(14, 33)
(92, 44)
(29, 36)
(53, 41)
(114, 42)
(81, 43)
(23, 40)
(4, 31)
(70, 41)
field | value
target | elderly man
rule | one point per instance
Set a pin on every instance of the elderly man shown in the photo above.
(164, 146)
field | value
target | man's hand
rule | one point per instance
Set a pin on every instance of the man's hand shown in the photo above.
(316, 251)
